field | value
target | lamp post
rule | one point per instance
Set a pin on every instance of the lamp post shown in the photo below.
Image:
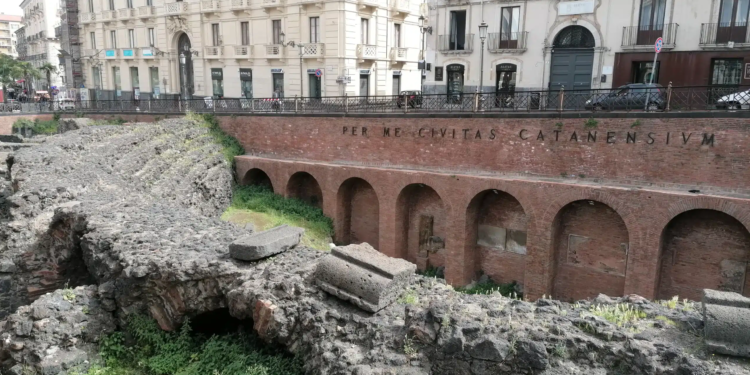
(482, 37)
(183, 69)
(423, 29)
(300, 45)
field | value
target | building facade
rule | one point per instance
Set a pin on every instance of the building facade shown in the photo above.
(585, 44)
(8, 27)
(243, 48)
(68, 33)
(21, 43)
(40, 19)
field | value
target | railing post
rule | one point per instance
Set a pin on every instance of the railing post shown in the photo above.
(476, 102)
(562, 98)
(406, 103)
(252, 105)
(346, 103)
(296, 100)
(669, 96)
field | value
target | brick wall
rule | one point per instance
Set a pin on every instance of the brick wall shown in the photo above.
(358, 210)
(304, 187)
(6, 122)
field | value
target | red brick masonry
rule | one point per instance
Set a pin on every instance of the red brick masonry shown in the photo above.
(594, 201)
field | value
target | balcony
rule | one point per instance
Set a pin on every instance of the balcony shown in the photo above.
(58, 32)
(146, 12)
(274, 51)
(210, 6)
(88, 53)
(173, 9)
(507, 42)
(313, 50)
(398, 54)
(401, 7)
(129, 53)
(362, 4)
(111, 54)
(109, 15)
(366, 52)
(239, 5)
(213, 52)
(242, 52)
(644, 37)
(724, 36)
(317, 3)
(88, 17)
(148, 52)
(456, 44)
(126, 14)
(273, 4)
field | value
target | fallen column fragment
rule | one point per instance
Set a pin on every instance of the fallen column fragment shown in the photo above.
(264, 244)
(727, 322)
(364, 276)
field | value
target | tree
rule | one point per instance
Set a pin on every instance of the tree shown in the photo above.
(28, 72)
(9, 72)
(48, 69)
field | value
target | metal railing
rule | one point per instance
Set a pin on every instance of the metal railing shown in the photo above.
(723, 33)
(498, 42)
(646, 35)
(456, 43)
(655, 99)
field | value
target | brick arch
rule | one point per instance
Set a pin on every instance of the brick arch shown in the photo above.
(496, 228)
(662, 219)
(357, 212)
(257, 176)
(421, 222)
(304, 186)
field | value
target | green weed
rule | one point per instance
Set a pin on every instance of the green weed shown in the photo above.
(409, 298)
(490, 287)
(230, 146)
(429, 272)
(37, 126)
(591, 123)
(620, 314)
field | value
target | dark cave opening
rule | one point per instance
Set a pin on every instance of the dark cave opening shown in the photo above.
(219, 322)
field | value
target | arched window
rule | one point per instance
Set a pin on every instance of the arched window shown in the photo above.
(574, 37)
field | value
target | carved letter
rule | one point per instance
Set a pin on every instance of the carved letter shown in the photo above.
(443, 131)
(420, 132)
(346, 129)
(479, 135)
(540, 136)
(708, 140)
(386, 132)
(651, 139)
(685, 140)
(492, 134)
(364, 131)
(630, 139)
(354, 130)
(520, 134)
(466, 131)
(667, 137)
(591, 137)
(398, 132)
(611, 137)
(574, 137)
(557, 135)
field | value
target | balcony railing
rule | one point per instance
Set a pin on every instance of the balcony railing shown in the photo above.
(176, 8)
(273, 3)
(239, 5)
(213, 52)
(148, 52)
(399, 54)
(313, 50)
(368, 3)
(721, 34)
(456, 43)
(401, 6)
(128, 53)
(126, 14)
(507, 42)
(242, 51)
(146, 11)
(274, 51)
(109, 15)
(88, 17)
(210, 6)
(646, 35)
(367, 51)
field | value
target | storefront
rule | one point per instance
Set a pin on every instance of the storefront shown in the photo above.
(217, 82)
(278, 82)
(364, 82)
(246, 83)
(505, 83)
(688, 68)
(455, 81)
(314, 83)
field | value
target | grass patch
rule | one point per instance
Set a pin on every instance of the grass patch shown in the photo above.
(620, 314)
(489, 287)
(409, 298)
(110, 121)
(666, 320)
(430, 272)
(37, 126)
(260, 206)
(230, 146)
(152, 351)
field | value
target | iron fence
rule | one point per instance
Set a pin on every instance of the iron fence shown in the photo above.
(624, 99)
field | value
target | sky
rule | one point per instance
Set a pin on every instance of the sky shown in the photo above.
(11, 7)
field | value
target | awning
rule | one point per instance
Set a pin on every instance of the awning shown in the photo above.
(42, 92)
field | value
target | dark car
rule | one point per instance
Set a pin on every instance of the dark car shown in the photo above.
(414, 98)
(628, 97)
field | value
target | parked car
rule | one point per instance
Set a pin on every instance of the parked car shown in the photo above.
(631, 96)
(737, 100)
(65, 105)
(414, 98)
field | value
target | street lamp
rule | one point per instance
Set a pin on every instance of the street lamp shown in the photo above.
(300, 45)
(482, 37)
(183, 67)
(423, 29)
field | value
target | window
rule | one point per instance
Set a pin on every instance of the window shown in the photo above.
(149, 3)
(733, 13)
(726, 71)
(509, 23)
(92, 36)
(116, 81)
(365, 31)
(457, 41)
(364, 85)
(397, 34)
(154, 75)
(396, 89)
(97, 75)
(113, 39)
(151, 37)
(91, 6)
(644, 70)
(217, 81)
(130, 4)
(111, 4)
(134, 81)
(245, 33)
(246, 83)
(276, 31)
(314, 29)
(652, 14)
(131, 38)
(215, 34)
(278, 85)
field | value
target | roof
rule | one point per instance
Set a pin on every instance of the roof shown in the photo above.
(11, 18)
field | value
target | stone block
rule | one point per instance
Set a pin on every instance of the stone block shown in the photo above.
(264, 244)
(726, 316)
(363, 276)
(68, 124)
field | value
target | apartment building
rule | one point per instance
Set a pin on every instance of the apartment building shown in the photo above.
(39, 20)
(249, 48)
(585, 44)
(8, 26)
(21, 43)
(68, 33)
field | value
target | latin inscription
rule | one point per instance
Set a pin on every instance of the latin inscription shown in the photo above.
(557, 135)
